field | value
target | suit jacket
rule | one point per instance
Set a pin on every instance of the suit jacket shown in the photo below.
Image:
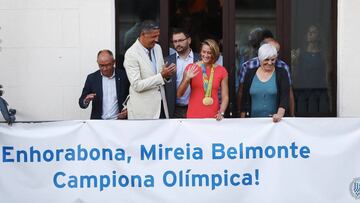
(93, 84)
(171, 88)
(146, 87)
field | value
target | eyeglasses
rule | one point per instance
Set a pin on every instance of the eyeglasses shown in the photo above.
(179, 40)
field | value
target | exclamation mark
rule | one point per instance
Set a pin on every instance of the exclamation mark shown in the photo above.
(257, 177)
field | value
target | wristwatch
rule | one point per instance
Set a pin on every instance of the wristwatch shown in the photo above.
(222, 114)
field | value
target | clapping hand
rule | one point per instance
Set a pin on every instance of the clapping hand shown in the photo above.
(168, 70)
(123, 114)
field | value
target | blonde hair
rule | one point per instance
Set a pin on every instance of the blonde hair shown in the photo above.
(214, 48)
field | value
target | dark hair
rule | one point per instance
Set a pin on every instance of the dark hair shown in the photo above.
(255, 37)
(149, 25)
(266, 33)
(180, 30)
(105, 50)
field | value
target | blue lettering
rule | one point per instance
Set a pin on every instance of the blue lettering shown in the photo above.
(125, 182)
(34, 152)
(70, 154)
(6, 152)
(58, 152)
(149, 181)
(50, 153)
(18, 155)
(218, 151)
(232, 152)
(55, 179)
(247, 180)
(270, 152)
(172, 177)
(104, 182)
(286, 151)
(179, 154)
(109, 152)
(88, 180)
(94, 154)
(232, 179)
(120, 155)
(293, 148)
(82, 153)
(216, 181)
(304, 152)
(148, 154)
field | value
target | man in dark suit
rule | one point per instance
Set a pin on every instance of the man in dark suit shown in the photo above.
(183, 57)
(107, 88)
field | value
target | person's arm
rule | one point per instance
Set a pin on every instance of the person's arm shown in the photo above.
(283, 95)
(224, 98)
(291, 102)
(190, 72)
(87, 94)
(279, 115)
(133, 71)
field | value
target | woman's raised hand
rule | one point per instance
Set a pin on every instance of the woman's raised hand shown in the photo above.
(192, 72)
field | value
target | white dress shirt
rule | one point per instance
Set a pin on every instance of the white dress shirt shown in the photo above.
(110, 103)
(180, 67)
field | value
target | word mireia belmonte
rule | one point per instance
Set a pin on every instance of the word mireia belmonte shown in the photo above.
(154, 152)
(181, 178)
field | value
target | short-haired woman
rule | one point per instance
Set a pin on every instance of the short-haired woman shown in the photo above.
(266, 88)
(205, 79)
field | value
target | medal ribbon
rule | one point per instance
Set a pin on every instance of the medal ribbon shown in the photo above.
(207, 81)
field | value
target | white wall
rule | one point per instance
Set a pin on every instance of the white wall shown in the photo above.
(348, 58)
(47, 49)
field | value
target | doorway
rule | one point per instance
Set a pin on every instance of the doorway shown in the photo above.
(230, 22)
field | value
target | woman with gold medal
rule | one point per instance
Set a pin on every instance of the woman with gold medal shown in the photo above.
(205, 79)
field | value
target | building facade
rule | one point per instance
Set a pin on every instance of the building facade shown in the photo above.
(48, 47)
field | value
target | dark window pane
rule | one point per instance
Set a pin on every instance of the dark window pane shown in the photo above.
(310, 57)
(251, 17)
(201, 18)
(130, 15)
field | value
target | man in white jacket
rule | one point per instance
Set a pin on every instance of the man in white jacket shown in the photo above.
(144, 65)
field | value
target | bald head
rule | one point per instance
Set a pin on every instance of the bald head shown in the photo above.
(105, 52)
(272, 42)
(106, 62)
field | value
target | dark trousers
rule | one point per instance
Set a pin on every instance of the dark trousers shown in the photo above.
(162, 112)
(180, 111)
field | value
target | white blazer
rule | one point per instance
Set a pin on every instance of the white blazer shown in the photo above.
(146, 87)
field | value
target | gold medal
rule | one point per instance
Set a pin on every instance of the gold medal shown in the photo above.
(207, 81)
(207, 101)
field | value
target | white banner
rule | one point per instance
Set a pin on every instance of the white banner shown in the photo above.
(235, 160)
